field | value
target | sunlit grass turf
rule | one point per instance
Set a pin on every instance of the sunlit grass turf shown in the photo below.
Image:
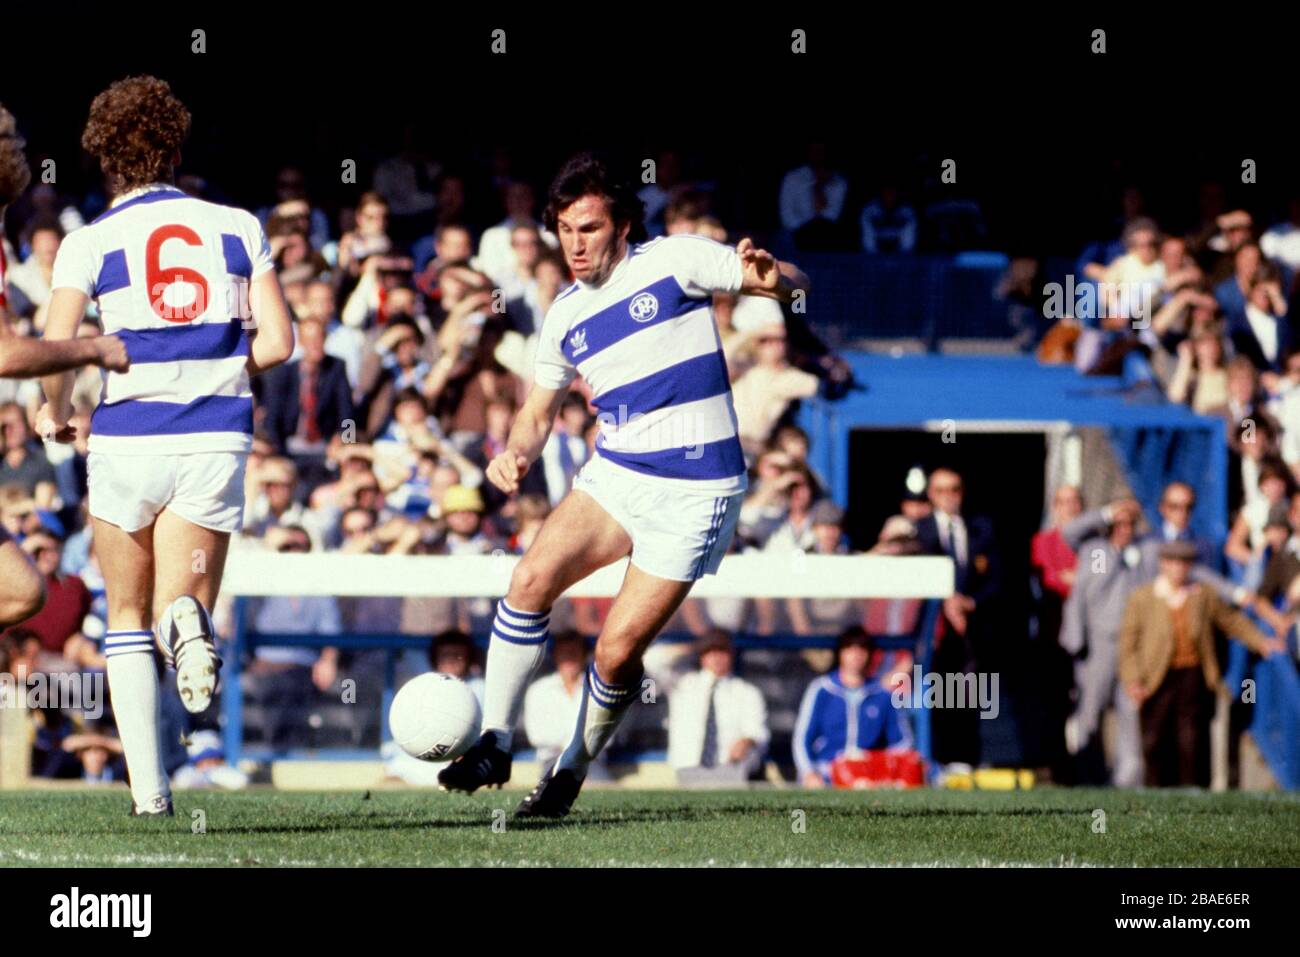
(609, 827)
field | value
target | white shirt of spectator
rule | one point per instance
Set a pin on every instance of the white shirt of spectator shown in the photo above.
(739, 711)
(1264, 326)
(798, 207)
(1282, 245)
(158, 401)
(952, 534)
(549, 713)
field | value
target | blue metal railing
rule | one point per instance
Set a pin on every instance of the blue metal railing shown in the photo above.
(245, 638)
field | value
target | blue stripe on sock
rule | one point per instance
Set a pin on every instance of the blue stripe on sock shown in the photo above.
(533, 615)
(115, 634)
(497, 633)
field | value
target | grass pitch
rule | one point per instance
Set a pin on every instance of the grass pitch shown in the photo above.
(610, 827)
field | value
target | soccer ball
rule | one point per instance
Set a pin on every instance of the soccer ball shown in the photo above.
(435, 717)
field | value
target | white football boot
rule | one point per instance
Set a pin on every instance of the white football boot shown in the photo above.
(185, 637)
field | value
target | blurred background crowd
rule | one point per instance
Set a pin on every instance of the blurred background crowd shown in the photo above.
(418, 296)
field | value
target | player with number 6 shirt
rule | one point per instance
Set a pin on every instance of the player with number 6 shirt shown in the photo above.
(189, 287)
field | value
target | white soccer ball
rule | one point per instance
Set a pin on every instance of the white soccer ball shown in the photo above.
(435, 717)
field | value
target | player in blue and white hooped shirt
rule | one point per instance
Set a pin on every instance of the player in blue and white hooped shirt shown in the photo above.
(666, 481)
(180, 281)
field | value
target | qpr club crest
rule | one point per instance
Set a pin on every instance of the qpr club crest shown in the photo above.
(643, 307)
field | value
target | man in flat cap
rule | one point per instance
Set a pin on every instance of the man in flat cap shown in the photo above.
(1168, 668)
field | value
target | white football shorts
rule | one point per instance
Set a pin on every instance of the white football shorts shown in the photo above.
(206, 488)
(676, 535)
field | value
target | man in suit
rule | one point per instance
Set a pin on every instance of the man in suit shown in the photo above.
(306, 402)
(1177, 502)
(1168, 667)
(968, 612)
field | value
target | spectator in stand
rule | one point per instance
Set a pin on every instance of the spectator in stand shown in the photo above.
(1235, 230)
(395, 365)
(1281, 243)
(368, 238)
(1169, 668)
(290, 193)
(717, 722)
(812, 202)
(276, 505)
(406, 181)
(67, 600)
(765, 391)
(845, 701)
(1052, 560)
(565, 451)
(448, 244)
(968, 613)
(1109, 570)
(1252, 431)
(551, 702)
(22, 460)
(31, 278)
(281, 678)
(888, 224)
(1233, 291)
(825, 616)
(1200, 379)
(1246, 540)
(516, 286)
(685, 212)
(667, 185)
(1260, 332)
(307, 401)
(499, 250)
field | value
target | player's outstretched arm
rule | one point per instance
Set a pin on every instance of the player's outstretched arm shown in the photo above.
(767, 276)
(22, 357)
(527, 437)
(66, 310)
(272, 340)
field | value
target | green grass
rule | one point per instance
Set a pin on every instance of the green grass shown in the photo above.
(427, 828)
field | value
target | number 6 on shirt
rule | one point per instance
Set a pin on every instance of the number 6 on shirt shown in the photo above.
(159, 279)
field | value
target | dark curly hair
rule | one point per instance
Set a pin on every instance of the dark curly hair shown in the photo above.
(14, 172)
(134, 129)
(591, 174)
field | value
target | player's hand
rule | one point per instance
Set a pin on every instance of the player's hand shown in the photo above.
(506, 469)
(1271, 647)
(51, 429)
(760, 266)
(111, 353)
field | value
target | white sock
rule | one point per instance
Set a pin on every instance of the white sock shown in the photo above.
(603, 707)
(517, 647)
(133, 685)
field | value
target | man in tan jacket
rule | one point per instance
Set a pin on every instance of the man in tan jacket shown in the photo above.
(1168, 666)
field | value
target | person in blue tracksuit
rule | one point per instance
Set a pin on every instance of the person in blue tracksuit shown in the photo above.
(844, 712)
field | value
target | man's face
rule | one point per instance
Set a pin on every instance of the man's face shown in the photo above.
(454, 245)
(853, 658)
(319, 302)
(1175, 569)
(47, 555)
(45, 244)
(946, 491)
(1121, 532)
(1145, 245)
(570, 659)
(311, 336)
(1067, 502)
(717, 660)
(827, 537)
(592, 244)
(279, 493)
(452, 660)
(463, 523)
(372, 219)
(1176, 506)
(13, 425)
(527, 246)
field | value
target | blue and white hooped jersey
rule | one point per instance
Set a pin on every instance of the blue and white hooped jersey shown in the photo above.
(171, 275)
(646, 342)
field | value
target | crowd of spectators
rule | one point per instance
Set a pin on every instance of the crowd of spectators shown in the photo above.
(415, 331)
